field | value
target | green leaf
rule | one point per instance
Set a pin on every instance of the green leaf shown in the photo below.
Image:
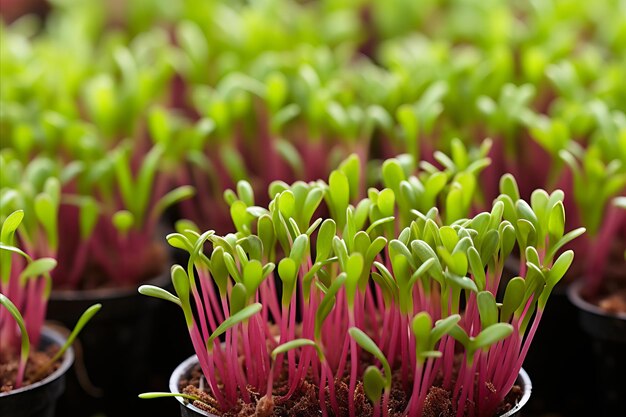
(88, 217)
(513, 296)
(442, 327)
(526, 233)
(489, 246)
(10, 225)
(300, 249)
(232, 268)
(238, 297)
(492, 334)
(80, 324)
(14, 249)
(311, 203)
(460, 335)
(159, 125)
(288, 272)
(526, 212)
(379, 222)
(123, 220)
(373, 383)
(386, 202)
(461, 282)
(286, 204)
(180, 280)
(476, 267)
(327, 304)
(47, 213)
(351, 167)
(393, 174)
(368, 345)
(339, 195)
(325, 236)
(292, 344)
(175, 196)
(487, 308)
(235, 319)
(152, 395)
(139, 199)
(241, 217)
(396, 248)
(156, 292)
(245, 192)
(180, 241)
(559, 268)
(508, 186)
(252, 276)
(449, 237)
(421, 325)
(457, 262)
(265, 231)
(568, 237)
(38, 267)
(420, 272)
(556, 222)
(454, 204)
(354, 268)
(25, 342)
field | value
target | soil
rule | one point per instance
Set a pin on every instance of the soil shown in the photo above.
(9, 366)
(614, 303)
(304, 402)
(612, 295)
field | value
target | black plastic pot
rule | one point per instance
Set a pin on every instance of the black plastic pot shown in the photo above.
(608, 334)
(116, 349)
(39, 399)
(188, 410)
(558, 343)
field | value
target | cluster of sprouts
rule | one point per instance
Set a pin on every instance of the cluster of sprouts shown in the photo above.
(368, 291)
(98, 217)
(25, 285)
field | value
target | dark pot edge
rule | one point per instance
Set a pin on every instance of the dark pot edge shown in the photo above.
(573, 293)
(523, 379)
(173, 384)
(68, 359)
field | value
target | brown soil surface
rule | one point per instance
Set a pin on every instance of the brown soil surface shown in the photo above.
(614, 303)
(304, 402)
(9, 366)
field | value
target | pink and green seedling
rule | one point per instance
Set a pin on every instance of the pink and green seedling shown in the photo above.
(348, 298)
(24, 290)
(111, 210)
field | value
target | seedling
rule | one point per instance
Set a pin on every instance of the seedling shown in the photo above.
(24, 290)
(362, 301)
(104, 211)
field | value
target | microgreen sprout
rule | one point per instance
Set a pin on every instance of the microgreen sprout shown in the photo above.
(24, 290)
(366, 302)
(99, 218)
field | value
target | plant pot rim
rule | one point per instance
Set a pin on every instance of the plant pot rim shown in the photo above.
(109, 293)
(175, 377)
(523, 379)
(573, 293)
(68, 358)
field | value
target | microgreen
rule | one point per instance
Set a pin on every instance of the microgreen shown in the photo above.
(411, 295)
(90, 215)
(24, 290)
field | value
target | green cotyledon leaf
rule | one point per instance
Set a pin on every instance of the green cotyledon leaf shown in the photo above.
(373, 383)
(368, 344)
(235, 319)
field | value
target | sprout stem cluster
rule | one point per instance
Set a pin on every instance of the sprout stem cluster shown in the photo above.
(368, 293)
